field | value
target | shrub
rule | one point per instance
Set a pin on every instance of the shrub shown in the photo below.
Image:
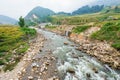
(29, 31)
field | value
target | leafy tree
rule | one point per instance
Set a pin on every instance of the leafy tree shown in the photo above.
(21, 22)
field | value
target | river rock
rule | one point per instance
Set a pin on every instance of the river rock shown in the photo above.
(65, 43)
(95, 70)
(88, 75)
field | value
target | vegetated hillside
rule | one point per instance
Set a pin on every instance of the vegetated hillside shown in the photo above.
(105, 2)
(13, 44)
(7, 20)
(39, 14)
(107, 14)
(111, 9)
(87, 9)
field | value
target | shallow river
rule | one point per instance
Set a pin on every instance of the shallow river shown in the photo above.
(76, 65)
(73, 64)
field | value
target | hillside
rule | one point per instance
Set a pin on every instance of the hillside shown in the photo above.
(39, 14)
(87, 9)
(7, 20)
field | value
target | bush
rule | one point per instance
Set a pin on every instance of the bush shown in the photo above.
(29, 31)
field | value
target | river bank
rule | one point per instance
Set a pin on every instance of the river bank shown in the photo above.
(35, 45)
(99, 49)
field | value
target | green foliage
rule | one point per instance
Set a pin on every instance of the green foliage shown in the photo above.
(29, 31)
(80, 29)
(21, 22)
(25, 46)
(109, 32)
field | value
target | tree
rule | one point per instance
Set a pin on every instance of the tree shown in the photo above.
(21, 22)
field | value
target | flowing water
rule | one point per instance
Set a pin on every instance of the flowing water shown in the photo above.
(76, 65)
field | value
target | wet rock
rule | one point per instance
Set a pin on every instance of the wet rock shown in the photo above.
(75, 56)
(95, 70)
(77, 48)
(71, 70)
(88, 75)
(65, 43)
(40, 50)
(72, 45)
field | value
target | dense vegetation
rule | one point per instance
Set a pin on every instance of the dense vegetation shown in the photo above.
(109, 32)
(13, 44)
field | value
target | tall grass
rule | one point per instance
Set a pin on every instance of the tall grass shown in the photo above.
(13, 38)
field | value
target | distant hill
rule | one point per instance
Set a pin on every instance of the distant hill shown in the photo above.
(7, 20)
(88, 9)
(106, 2)
(39, 14)
(63, 13)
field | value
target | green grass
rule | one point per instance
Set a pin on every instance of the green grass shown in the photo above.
(13, 38)
(83, 19)
(80, 29)
(109, 32)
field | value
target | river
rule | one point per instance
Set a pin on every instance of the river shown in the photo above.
(73, 64)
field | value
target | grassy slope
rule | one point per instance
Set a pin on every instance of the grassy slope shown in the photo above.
(109, 23)
(13, 38)
(109, 32)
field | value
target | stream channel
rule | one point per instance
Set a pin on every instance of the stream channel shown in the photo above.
(73, 64)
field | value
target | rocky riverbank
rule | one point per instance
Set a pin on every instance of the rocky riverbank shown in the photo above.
(99, 49)
(35, 45)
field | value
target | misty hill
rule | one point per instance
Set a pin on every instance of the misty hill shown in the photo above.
(88, 9)
(39, 14)
(106, 2)
(7, 20)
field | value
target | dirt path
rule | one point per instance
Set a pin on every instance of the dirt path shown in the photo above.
(35, 46)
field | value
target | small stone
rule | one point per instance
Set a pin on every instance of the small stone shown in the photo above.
(30, 77)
